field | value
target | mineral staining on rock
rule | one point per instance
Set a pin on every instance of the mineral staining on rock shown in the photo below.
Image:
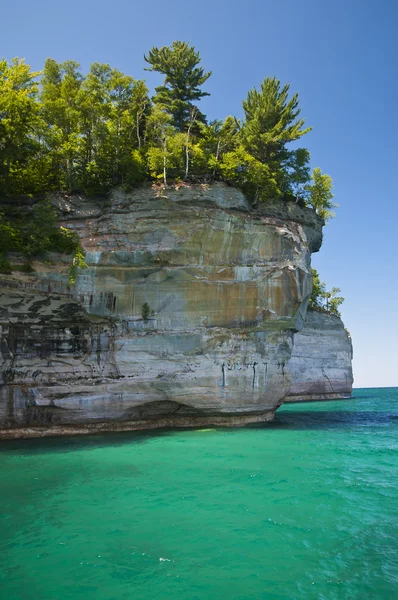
(224, 289)
(320, 365)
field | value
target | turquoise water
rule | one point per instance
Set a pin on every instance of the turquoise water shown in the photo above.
(305, 507)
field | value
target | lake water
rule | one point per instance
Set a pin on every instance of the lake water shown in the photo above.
(304, 507)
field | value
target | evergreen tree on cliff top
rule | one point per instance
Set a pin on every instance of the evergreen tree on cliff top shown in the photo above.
(183, 80)
(271, 122)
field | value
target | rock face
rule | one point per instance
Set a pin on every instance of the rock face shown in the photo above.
(320, 365)
(184, 316)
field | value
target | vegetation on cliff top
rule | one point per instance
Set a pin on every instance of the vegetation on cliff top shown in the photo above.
(322, 299)
(62, 130)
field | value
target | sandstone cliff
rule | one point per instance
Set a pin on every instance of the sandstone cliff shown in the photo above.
(225, 288)
(320, 365)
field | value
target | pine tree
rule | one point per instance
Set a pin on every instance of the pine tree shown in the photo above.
(183, 80)
(90, 133)
(297, 172)
(271, 122)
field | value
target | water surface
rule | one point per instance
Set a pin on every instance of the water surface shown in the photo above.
(305, 507)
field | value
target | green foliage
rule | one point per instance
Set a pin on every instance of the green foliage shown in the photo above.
(5, 266)
(146, 311)
(271, 122)
(318, 289)
(159, 131)
(39, 232)
(320, 194)
(243, 170)
(20, 123)
(25, 268)
(60, 87)
(10, 237)
(78, 262)
(96, 126)
(172, 157)
(297, 173)
(323, 300)
(333, 302)
(33, 232)
(183, 80)
(89, 133)
(169, 156)
(216, 139)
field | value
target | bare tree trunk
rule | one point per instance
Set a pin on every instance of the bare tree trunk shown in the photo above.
(256, 197)
(192, 119)
(217, 155)
(187, 156)
(138, 118)
(138, 129)
(164, 161)
(116, 167)
(69, 173)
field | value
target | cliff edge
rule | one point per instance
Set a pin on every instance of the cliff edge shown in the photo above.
(184, 316)
(320, 365)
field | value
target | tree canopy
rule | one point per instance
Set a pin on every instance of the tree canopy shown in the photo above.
(271, 122)
(20, 125)
(319, 194)
(183, 81)
(61, 129)
(323, 299)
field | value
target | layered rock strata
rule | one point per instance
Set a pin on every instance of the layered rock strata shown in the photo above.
(184, 316)
(320, 366)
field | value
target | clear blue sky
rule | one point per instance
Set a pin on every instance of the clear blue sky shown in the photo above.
(340, 55)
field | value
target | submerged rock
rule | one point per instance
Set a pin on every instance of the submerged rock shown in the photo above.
(184, 316)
